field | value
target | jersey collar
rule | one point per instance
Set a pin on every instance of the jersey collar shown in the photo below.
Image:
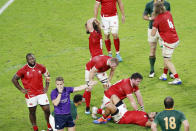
(169, 109)
(31, 67)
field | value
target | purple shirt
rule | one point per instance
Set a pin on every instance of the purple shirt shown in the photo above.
(64, 105)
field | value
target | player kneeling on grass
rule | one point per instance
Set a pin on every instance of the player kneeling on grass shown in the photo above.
(77, 100)
(117, 109)
(163, 22)
(98, 66)
(60, 97)
(124, 89)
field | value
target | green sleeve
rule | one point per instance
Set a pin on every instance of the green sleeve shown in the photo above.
(146, 10)
(182, 117)
(156, 120)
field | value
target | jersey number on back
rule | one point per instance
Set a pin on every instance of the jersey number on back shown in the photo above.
(171, 123)
(170, 24)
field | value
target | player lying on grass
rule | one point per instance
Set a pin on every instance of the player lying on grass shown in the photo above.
(95, 39)
(117, 109)
(122, 89)
(98, 66)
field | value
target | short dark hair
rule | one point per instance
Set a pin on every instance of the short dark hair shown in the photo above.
(77, 98)
(169, 102)
(59, 79)
(136, 76)
(29, 54)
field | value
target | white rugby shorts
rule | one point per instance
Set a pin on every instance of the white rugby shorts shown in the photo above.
(41, 99)
(110, 24)
(122, 110)
(168, 49)
(102, 77)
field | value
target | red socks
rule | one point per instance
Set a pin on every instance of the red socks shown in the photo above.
(35, 128)
(117, 44)
(165, 70)
(99, 111)
(87, 98)
(108, 45)
(176, 76)
(49, 126)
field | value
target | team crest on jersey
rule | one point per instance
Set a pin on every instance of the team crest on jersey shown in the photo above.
(27, 73)
(39, 71)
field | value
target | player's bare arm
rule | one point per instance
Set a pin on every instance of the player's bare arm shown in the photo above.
(121, 7)
(111, 74)
(47, 79)
(148, 123)
(186, 125)
(139, 99)
(154, 126)
(82, 87)
(132, 101)
(148, 18)
(92, 73)
(17, 85)
(96, 8)
(154, 30)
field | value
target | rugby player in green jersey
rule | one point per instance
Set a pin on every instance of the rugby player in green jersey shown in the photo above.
(147, 15)
(170, 119)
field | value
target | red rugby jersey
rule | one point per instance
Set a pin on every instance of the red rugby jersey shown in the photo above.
(165, 25)
(108, 7)
(31, 78)
(121, 89)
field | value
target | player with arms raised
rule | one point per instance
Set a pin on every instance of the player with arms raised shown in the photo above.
(95, 39)
(109, 19)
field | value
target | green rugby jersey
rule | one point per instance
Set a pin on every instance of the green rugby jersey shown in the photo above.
(170, 120)
(149, 9)
(73, 110)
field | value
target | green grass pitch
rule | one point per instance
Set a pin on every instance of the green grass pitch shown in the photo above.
(54, 31)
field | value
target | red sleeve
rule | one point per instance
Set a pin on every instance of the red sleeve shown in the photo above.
(20, 72)
(43, 69)
(136, 88)
(156, 22)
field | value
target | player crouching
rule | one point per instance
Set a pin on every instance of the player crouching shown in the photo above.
(117, 109)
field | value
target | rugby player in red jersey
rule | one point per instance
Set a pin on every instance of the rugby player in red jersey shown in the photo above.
(117, 109)
(35, 93)
(98, 66)
(95, 39)
(122, 89)
(163, 23)
(109, 19)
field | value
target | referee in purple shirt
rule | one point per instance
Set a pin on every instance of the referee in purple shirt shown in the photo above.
(60, 97)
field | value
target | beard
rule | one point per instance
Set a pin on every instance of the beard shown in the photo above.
(31, 65)
(87, 32)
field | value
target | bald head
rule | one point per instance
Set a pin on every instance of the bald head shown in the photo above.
(168, 102)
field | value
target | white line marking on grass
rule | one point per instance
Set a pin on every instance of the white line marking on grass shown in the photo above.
(5, 6)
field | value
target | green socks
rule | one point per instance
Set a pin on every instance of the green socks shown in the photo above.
(152, 60)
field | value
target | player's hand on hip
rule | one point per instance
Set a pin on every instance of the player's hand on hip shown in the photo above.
(25, 91)
(45, 90)
(123, 19)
